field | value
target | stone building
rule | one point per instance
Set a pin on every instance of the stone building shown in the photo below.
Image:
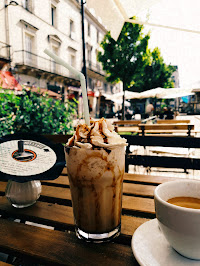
(29, 26)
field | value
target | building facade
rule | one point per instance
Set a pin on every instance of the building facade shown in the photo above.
(29, 26)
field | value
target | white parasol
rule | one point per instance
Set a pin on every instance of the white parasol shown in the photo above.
(114, 13)
(172, 93)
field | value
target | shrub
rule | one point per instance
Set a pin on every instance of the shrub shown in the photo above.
(33, 113)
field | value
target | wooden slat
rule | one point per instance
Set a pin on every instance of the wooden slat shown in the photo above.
(163, 131)
(128, 129)
(138, 190)
(61, 180)
(41, 212)
(149, 179)
(165, 126)
(4, 263)
(138, 204)
(163, 141)
(127, 122)
(60, 216)
(64, 171)
(60, 248)
(172, 121)
(163, 161)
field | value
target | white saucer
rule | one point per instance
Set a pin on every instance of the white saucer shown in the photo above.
(150, 248)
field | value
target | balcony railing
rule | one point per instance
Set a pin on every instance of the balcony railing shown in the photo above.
(96, 67)
(32, 60)
(4, 51)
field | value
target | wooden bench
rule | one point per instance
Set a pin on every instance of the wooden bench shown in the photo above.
(172, 121)
(183, 129)
(173, 161)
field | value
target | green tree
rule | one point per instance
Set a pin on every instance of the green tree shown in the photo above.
(33, 113)
(156, 73)
(124, 60)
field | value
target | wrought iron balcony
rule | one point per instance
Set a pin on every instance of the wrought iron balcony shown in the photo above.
(30, 61)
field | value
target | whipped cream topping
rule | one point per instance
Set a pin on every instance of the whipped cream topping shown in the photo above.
(100, 134)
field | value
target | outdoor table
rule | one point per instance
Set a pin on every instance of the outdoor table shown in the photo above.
(58, 244)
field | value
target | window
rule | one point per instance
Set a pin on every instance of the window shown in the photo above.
(27, 4)
(53, 15)
(89, 54)
(71, 30)
(73, 60)
(89, 29)
(97, 36)
(28, 48)
(97, 62)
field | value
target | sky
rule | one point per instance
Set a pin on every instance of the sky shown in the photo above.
(177, 47)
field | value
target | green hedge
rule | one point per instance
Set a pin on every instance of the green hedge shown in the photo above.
(33, 113)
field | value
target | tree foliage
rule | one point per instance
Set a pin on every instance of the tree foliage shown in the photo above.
(156, 73)
(30, 113)
(124, 60)
(131, 61)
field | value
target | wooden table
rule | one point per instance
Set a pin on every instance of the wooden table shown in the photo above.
(60, 246)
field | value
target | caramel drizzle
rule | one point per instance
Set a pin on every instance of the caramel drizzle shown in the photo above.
(88, 131)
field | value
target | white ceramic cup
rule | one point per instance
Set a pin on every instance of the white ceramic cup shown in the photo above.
(180, 226)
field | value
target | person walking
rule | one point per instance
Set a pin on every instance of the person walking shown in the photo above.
(149, 110)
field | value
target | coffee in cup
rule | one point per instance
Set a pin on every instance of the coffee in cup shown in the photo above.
(186, 202)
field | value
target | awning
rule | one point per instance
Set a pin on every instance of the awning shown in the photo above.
(8, 81)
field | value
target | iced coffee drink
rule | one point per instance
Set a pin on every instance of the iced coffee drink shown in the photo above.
(95, 158)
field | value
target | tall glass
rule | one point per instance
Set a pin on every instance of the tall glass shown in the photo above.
(96, 179)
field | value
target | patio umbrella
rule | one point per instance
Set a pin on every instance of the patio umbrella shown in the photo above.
(152, 93)
(119, 95)
(172, 93)
(114, 13)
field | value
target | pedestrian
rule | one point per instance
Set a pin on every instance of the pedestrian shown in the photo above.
(149, 110)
